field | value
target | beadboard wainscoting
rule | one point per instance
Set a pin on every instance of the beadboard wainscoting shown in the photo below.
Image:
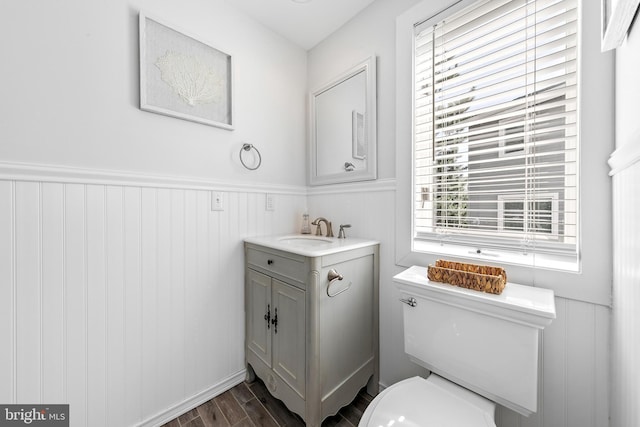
(123, 295)
(625, 353)
(574, 388)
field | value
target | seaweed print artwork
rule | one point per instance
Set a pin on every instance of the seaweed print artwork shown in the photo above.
(193, 81)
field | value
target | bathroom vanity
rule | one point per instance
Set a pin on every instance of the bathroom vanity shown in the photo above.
(311, 306)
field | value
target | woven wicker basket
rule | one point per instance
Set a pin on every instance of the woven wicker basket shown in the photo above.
(477, 277)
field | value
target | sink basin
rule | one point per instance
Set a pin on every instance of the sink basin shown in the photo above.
(305, 241)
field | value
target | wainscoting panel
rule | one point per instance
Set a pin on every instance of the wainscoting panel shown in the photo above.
(575, 383)
(53, 325)
(625, 396)
(125, 300)
(7, 292)
(574, 387)
(28, 229)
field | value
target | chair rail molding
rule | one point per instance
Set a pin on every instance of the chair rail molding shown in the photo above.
(388, 184)
(625, 156)
(75, 175)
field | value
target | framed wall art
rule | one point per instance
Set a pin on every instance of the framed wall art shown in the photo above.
(182, 76)
(617, 16)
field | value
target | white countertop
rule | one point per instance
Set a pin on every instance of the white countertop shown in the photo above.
(310, 245)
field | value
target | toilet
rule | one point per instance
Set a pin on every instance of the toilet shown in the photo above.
(482, 350)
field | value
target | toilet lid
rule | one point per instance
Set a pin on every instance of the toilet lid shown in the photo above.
(417, 402)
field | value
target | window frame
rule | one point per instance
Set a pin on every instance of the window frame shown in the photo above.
(500, 245)
(590, 279)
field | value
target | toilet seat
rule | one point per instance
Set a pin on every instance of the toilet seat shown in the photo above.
(419, 402)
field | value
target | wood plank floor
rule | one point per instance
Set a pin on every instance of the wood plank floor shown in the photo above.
(251, 405)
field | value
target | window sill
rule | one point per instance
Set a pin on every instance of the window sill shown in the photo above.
(543, 261)
(570, 280)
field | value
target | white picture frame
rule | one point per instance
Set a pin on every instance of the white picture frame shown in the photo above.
(617, 16)
(183, 76)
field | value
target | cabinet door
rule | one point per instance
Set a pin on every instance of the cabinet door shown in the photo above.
(289, 337)
(258, 306)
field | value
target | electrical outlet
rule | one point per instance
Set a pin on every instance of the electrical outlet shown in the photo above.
(270, 203)
(217, 201)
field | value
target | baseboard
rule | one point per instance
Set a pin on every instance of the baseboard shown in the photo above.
(194, 401)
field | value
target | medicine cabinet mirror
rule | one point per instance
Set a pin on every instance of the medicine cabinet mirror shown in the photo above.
(343, 127)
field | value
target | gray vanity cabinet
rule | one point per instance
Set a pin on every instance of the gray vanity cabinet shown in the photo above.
(276, 334)
(313, 341)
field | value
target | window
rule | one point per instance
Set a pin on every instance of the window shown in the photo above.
(511, 140)
(539, 216)
(495, 142)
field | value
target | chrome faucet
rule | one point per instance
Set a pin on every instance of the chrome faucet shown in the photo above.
(318, 221)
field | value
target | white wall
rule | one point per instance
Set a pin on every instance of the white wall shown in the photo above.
(77, 277)
(371, 32)
(121, 291)
(369, 207)
(70, 83)
(574, 388)
(625, 162)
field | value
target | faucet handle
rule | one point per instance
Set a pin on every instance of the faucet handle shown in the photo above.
(341, 234)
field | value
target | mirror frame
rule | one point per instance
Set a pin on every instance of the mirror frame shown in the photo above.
(368, 66)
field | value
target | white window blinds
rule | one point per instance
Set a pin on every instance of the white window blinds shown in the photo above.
(495, 127)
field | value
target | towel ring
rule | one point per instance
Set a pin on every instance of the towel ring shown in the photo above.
(249, 147)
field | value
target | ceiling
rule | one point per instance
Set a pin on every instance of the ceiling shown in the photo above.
(305, 24)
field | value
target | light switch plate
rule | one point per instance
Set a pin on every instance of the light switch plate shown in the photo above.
(270, 203)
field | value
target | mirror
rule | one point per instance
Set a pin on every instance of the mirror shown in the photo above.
(343, 127)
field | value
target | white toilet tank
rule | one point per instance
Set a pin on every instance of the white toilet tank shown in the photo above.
(485, 343)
